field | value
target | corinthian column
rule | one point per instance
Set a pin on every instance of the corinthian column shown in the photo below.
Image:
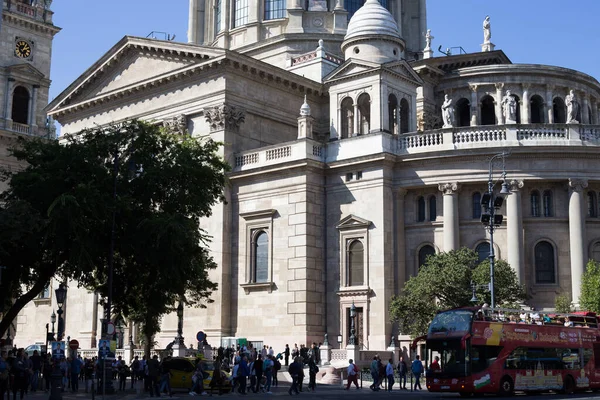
(400, 240)
(499, 116)
(576, 235)
(450, 191)
(514, 229)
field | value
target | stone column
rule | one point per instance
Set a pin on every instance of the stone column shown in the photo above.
(525, 114)
(585, 113)
(356, 117)
(400, 239)
(549, 106)
(499, 119)
(474, 105)
(10, 83)
(577, 235)
(193, 22)
(594, 116)
(33, 109)
(514, 229)
(450, 191)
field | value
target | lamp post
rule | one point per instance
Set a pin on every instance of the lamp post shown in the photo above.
(490, 217)
(56, 380)
(53, 320)
(120, 333)
(179, 339)
(352, 340)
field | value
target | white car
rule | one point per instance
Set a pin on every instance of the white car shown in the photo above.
(31, 348)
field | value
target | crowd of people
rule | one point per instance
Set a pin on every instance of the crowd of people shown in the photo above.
(385, 375)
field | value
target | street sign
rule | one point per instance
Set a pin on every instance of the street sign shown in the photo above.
(73, 344)
(110, 328)
(200, 336)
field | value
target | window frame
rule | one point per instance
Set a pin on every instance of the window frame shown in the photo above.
(476, 209)
(421, 208)
(592, 204)
(431, 209)
(353, 228)
(535, 206)
(255, 223)
(548, 206)
(554, 263)
(420, 249)
(241, 7)
(349, 244)
(276, 13)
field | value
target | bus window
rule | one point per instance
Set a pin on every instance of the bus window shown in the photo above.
(483, 356)
(452, 358)
(597, 355)
(571, 358)
(536, 357)
(587, 356)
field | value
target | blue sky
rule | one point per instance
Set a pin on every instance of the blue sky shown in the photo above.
(553, 32)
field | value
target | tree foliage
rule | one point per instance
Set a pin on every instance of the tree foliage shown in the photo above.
(590, 287)
(444, 282)
(562, 303)
(164, 183)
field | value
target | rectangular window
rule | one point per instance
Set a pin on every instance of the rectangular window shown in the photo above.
(349, 176)
(359, 175)
(219, 5)
(240, 13)
(274, 9)
(45, 294)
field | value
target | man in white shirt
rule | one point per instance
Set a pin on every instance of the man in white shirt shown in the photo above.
(389, 372)
(352, 374)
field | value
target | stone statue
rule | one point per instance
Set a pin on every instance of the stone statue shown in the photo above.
(509, 108)
(487, 30)
(572, 108)
(428, 39)
(448, 113)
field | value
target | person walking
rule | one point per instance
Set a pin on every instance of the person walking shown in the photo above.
(19, 373)
(165, 379)
(36, 367)
(389, 372)
(276, 369)
(135, 370)
(294, 370)
(417, 370)
(312, 374)
(4, 373)
(374, 369)
(243, 373)
(268, 365)
(352, 374)
(75, 371)
(153, 373)
(402, 372)
(287, 354)
(258, 371)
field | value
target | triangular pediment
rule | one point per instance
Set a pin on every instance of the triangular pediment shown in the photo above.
(353, 222)
(404, 69)
(351, 68)
(133, 62)
(25, 70)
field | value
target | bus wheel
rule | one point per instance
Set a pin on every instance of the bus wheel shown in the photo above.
(465, 394)
(506, 387)
(568, 385)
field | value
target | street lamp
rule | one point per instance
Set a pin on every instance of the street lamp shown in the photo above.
(61, 294)
(352, 340)
(56, 389)
(53, 320)
(179, 338)
(490, 217)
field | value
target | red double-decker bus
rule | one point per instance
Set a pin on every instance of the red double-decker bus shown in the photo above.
(484, 353)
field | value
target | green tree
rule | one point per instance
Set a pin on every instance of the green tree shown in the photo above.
(590, 287)
(445, 282)
(164, 183)
(562, 303)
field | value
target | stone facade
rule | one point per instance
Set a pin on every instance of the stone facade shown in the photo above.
(342, 215)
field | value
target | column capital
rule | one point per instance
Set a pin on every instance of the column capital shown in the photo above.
(401, 192)
(473, 87)
(577, 185)
(515, 185)
(526, 86)
(449, 188)
(499, 86)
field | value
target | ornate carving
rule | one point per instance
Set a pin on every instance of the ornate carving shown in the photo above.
(499, 86)
(176, 125)
(224, 116)
(428, 120)
(577, 185)
(448, 188)
(473, 87)
(515, 185)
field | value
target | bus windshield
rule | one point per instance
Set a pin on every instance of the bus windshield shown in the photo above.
(452, 321)
(453, 359)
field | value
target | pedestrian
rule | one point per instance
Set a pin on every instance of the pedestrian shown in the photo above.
(19, 372)
(352, 374)
(402, 372)
(47, 372)
(268, 365)
(312, 374)
(417, 370)
(153, 370)
(243, 373)
(75, 371)
(135, 370)
(36, 367)
(165, 378)
(287, 354)
(88, 371)
(258, 371)
(276, 369)
(294, 371)
(217, 378)
(389, 371)
(4, 373)
(375, 374)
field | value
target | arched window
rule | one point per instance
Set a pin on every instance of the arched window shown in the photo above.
(425, 252)
(463, 112)
(420, 209)
(559, 110)
(20, 105)
(596, 251)
(274, 9)
(260, 270)
(432, 208)
(488, 112)
(404, 116)
(476, 205)
(356, 263)
(518, 100)
(592, 205)
(364, 113)
(240, 13)
(347, 115)
(535, 203)
(537, 109)
(393, 114)
(544, 263)
(547, 199)
(483, 252)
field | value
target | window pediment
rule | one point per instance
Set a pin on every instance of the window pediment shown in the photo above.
(353, 222)
(258, 214)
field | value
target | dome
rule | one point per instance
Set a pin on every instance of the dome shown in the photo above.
(372, 19)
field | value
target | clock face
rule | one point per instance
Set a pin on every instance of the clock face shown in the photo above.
(22, 49)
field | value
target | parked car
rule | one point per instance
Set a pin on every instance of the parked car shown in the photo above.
(41, 348)
(182, 369)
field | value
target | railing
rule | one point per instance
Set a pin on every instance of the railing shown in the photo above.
(339, 355)
(27, 10)
(480, 137)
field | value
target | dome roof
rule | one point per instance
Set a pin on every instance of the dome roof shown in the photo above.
(372, 19)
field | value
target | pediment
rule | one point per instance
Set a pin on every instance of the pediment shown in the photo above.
(404, 69)
(353, 222)
(130, 63)
(351, 68)
(26, 70)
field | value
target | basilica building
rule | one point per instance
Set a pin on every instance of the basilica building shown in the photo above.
(355, 154)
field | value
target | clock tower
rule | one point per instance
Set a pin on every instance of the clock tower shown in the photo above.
(26, 34)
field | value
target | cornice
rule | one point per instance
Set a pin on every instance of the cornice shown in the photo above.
(28, 23)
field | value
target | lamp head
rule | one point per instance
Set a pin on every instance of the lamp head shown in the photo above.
(352, 310)
(61, 294)
(53, 318)
(474, 298)
(505, 191)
